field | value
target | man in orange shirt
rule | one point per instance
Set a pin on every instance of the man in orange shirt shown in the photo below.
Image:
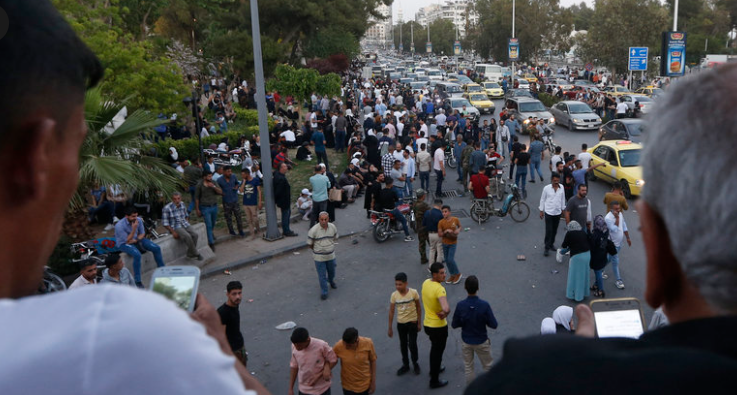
(357, 363)
(448, 228)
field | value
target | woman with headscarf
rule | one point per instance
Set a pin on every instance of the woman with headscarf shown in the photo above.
(600, 247)
(563, 317)
(577, 241)
(547, 327)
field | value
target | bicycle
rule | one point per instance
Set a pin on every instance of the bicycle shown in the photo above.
(483, 209)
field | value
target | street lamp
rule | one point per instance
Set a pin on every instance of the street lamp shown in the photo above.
(193, 102)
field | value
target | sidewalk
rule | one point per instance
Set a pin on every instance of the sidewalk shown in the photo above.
(235, 252)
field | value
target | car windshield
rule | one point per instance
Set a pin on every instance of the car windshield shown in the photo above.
(643, 99)
(491, 85)
(531, 107)
(629, 158)
(562, 82)
(423, 78)
(478, 97)
(579, 108)
(457, 103)
(453, 88)
(434, 73)
(522, 93)
(636, 129)
(417, 85)
(474, 88)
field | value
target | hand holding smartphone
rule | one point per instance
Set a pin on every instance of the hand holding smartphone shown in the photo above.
(177, 283)
(620, 317)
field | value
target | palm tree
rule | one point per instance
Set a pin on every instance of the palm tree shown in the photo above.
(115, 158)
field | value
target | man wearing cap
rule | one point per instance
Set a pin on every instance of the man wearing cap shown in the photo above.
(304, 204)
(420, 207)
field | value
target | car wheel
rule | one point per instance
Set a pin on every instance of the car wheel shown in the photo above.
(626, 189)
(570, 125)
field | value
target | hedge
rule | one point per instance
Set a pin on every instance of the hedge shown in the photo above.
(547, 100)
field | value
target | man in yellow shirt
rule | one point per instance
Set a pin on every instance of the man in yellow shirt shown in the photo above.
(357, 363)
(436, 310)
(406, 301)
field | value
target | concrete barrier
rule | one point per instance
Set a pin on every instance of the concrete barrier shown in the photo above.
(174, 252)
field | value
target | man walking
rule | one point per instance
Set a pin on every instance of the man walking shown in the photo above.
(430, 222)
(552, 204)
(406, 302)
(448, 229)
(537, 154)
(473, 315)
(130, 236)
(436, 326)
(174, 218)
(439, 167)
(420, 208)
(321, 238)
(578, 208)
(320, 186)
(283, 198)
(311, 365)
(617, 233)
(206, 204)
(357, 363)
(616, 194)
(251, 190)
(231, 206)
(230, 316)
(424, 165)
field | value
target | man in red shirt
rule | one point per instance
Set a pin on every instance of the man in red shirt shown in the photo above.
(479, 185)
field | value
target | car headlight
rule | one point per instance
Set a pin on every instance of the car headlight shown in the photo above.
(552, 120)
(526, 121)
(640, 183)
(598, 119)
(576, 120)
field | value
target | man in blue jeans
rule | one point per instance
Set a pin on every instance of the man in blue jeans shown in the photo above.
(128, 233)
(206, 203)
(321, 239)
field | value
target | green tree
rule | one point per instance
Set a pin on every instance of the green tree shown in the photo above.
(408, 29)
(302, 83)
(442, 36)
(582, 16)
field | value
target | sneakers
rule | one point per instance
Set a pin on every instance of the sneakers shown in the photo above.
(455, 279)
(333, 286)
(409, 238)
(115, 220)
(459, 276)
(450, 280)
(604, 276)
(619, 284)
(404, 369)
(109, 226)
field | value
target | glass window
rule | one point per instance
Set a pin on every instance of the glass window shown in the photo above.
(630, 157)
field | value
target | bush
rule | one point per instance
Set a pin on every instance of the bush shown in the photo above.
(547, 100)
(189, 148)
(60, 260)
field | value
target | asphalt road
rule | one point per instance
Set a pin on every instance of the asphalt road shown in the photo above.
(521, 293)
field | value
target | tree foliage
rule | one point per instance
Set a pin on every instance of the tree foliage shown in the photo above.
(302, 83)
(408, 30)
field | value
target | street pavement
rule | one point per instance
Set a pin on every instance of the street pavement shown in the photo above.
(521, 293)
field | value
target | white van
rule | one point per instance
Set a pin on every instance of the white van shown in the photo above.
(491, 72)
(435, 75)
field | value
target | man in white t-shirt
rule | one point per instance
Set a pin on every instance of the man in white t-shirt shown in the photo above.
(98, 331)
(423, 140)
(439, 167)
(423, 128)
(622, 108)
(584, 156)
(87, 274)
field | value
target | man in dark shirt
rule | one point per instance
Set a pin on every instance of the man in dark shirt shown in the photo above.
(578, 208)
(231, 206)
(231, 318)
(430, 222)
(387, 200)
(283, 198)
(473, 315)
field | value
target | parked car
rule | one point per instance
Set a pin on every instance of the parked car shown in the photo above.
(644, 102)
(575, 115)
(623, 129)
(524, 108)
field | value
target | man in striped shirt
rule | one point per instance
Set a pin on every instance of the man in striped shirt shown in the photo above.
(321, 238)
(174, 218)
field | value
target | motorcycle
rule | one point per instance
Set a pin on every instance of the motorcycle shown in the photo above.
(51, 282)
(450, 158)
(483, 209)
(385, 224)
(233, 157)
(547, 138)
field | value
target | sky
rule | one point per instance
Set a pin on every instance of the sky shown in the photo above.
(410, 7)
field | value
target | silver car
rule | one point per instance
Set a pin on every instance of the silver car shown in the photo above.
(456, 103)
(575, 115)
(644, 102)
(524, 108)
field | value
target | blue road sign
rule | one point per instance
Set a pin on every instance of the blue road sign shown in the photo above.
(638, 58)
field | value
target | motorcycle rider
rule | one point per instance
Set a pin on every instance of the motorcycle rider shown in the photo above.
(387, 200)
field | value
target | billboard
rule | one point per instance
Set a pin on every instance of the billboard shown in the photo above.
(513, 49)
(673, 60)
(428, 47)
(457, 48)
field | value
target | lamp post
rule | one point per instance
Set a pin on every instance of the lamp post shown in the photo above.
(194, 103)
(514, 8)
(272, 231)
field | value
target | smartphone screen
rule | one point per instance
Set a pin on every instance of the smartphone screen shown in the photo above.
(618, 318)
(178, 287)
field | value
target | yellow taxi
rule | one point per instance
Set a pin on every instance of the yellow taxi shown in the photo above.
(481, 102)
(530, 78)
(493, 90)
(622, 159)
(617, 90)
(472, 88)
(452, 79)
(650, 90)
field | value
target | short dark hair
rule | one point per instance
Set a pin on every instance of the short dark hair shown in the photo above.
(85, 262)
(233, 285)
(112, 259)
(318, 168)
(130, 210)
(617, 185)
(614, 203)
(555, 174)
(446, 206)
(584, 146)
(436, 267)
(44, 66)
(438, 202)
(401, 276)
(246, 170)
(388, 180)
(472, 284)
(299, 335)
(582, 186)
(350, 335)
(227, 167)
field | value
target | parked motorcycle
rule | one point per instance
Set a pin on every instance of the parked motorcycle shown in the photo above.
(233, 157)
(385, 224)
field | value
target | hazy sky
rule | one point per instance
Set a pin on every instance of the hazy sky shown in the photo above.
(410, 7)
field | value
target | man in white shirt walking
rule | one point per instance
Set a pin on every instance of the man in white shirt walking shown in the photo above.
(439, 167)
(617, 233)
(552, 204)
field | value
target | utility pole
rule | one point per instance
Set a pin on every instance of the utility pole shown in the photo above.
(514, 8)
(675, 16)
(272, 231)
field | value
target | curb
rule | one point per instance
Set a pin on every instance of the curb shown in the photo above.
(263, 256)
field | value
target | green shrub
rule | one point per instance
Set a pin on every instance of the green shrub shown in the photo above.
(547, 100)
(60, 260)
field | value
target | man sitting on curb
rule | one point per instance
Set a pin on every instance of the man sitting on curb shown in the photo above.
(175, 219)
(130, 237)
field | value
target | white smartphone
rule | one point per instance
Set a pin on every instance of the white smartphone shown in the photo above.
(620, 317)
(178, 283)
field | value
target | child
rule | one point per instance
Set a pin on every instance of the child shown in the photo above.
(407, 303)
(304, 204)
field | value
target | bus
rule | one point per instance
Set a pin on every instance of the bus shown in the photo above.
(491, 72)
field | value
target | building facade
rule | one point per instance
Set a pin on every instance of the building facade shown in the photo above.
(460, 12)
(379, 33)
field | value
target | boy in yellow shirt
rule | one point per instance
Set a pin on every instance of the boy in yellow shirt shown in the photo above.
(406, 302)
